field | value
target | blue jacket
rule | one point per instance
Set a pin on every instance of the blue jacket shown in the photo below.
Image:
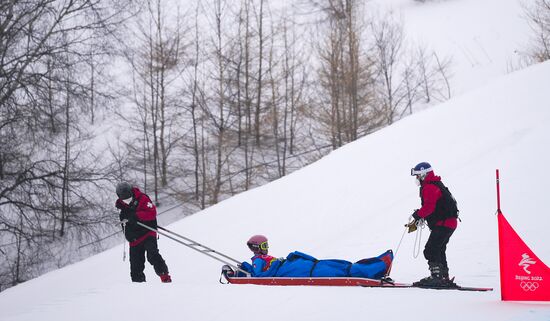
(298, 264)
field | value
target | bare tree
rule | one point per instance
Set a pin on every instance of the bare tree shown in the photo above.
(260, 19)
(346, 74)
(244, 83)
(406, 77)
(290, 86)
(198, 156)
(157, 61)
(538, 16)
(46, 172)
(388, 50)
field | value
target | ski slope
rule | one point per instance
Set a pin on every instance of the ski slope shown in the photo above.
(485, 38)
(351, 204)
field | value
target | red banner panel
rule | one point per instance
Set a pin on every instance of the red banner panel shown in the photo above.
(523, 276)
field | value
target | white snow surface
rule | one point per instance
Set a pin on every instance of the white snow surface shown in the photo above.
(352, 204)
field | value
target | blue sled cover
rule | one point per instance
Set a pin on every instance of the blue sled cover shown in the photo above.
(298, 264)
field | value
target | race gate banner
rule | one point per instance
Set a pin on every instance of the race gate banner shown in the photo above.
(523, 277)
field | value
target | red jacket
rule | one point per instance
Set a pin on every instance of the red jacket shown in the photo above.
(430, 195)
(145, 210)
(146, 213)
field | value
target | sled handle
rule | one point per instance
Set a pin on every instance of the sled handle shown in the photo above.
(197, 247)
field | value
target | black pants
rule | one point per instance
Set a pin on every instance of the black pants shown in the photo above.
(137, 259)
(436, 246)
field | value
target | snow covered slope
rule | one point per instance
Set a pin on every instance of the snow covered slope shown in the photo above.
(351, 204)
(483, 37)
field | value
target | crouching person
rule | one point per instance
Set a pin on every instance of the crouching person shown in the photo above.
(136, 206)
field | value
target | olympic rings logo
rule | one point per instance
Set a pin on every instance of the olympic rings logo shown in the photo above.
(529, 286)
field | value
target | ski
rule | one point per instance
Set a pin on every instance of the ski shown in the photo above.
(454, 287)
(337, 281)
(231, 278)
(458, 287)
(310, 281)
(470, 288)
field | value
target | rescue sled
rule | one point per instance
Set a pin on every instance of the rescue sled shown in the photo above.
(329, 281)
(320, 281)
(302, 269)
(232, 277)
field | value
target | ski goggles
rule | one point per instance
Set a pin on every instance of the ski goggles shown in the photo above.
(262, 246)
(421, 172)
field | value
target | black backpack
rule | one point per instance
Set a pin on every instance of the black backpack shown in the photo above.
(446, 206)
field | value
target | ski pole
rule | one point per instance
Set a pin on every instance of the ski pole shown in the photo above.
(124, 232)
(197, 247)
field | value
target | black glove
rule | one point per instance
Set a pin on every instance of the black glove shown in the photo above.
(123, 215)
(415, 215)
(129, 215)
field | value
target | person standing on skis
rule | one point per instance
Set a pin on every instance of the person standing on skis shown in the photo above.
(440, 211)
(143, 241)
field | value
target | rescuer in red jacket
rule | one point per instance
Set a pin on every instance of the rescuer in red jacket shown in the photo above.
(143, 241)
(439, 210)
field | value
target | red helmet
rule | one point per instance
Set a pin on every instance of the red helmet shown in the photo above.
(258, 244)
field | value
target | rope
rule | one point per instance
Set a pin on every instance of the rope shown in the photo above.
(420, 225)
(395, 254)
(399, 245)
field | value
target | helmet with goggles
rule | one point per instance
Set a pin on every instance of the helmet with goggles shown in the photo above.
(421, 170)
(258, 244)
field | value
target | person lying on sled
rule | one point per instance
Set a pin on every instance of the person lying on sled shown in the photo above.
(298, 264)
(261, 261)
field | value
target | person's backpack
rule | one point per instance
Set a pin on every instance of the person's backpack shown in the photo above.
(447, 206)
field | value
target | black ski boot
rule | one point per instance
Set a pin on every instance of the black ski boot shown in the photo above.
(437, 278)
(445, 276)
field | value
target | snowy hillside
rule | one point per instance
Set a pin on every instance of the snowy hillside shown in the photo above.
(484, 38)
(351, 204)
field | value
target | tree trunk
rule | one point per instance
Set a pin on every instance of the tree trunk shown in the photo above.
(260, 71)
